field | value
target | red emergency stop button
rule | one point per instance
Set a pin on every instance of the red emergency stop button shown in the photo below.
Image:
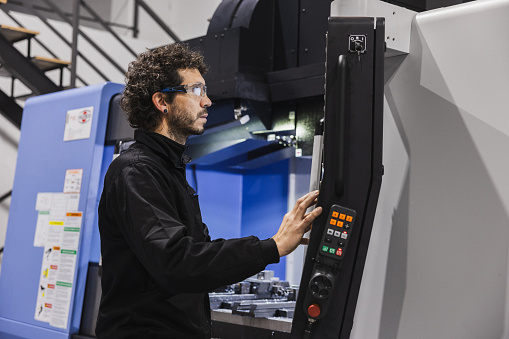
(314, 310)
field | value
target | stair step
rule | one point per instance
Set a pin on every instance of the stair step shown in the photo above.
(14, 34)
(48, 64)
(43, 63)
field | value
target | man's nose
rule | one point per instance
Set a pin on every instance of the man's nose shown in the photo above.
(205, 102)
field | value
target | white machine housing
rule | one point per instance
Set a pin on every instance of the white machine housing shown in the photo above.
(438, 261)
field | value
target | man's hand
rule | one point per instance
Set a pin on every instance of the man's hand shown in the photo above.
(295, 224)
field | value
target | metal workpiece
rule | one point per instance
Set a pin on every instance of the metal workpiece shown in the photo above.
(258, 305)
(263, 308)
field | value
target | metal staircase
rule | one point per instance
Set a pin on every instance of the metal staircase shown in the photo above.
(29, 70)
(32, 71)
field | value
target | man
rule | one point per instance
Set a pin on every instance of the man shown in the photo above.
(158, 259)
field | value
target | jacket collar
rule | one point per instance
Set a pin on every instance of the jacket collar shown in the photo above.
(167, 148)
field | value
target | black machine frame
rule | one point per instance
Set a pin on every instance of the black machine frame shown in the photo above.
(352, 172)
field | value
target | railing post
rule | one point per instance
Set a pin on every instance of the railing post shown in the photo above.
(158, 20)
(5, 196)
(136, 18)
(75, 32)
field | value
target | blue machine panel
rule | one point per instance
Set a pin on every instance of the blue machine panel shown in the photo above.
(43, 159)
(220, 194)
(265, 202)
(243, 202)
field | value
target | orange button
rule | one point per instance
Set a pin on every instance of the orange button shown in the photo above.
(339, 252)
(342, 216)
(333, 222)
(349, 218)
(314, 310)
(335, 214)
(340, 224)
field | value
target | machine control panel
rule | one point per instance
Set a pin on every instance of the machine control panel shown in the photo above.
(337, 232)
(331, 251)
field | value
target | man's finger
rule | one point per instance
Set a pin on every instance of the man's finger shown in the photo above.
(300, 201)
(313, 214)
(310, 197)
(304, 202)
(310, 217)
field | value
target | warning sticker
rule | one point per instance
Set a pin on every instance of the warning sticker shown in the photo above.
(78, 123)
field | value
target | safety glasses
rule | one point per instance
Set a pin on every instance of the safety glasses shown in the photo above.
(197, 89)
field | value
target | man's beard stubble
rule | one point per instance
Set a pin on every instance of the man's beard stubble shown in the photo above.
(181, 124)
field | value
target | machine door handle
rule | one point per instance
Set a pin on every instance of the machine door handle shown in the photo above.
(339, 152)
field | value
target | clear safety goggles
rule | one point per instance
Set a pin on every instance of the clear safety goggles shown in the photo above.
(197, 89)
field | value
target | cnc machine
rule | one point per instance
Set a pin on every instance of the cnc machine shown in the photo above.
(396, 110)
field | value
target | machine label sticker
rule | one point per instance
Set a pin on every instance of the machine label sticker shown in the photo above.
(73, 178)
(58, 269)
(78, 123)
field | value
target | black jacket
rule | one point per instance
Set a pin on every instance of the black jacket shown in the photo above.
(158, 259)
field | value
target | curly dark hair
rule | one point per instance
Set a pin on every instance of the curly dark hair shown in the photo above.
(151, 71)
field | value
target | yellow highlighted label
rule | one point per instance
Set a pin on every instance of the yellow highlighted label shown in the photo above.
(56, 223)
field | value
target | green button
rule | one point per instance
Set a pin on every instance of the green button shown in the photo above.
(325, 248)
(332, 250)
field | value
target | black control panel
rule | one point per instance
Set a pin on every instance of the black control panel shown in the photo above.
(332, 250)
(351, 176)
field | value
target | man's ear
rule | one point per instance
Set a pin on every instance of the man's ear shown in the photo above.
(159, 103)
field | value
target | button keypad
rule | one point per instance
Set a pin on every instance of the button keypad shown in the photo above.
(337, 233)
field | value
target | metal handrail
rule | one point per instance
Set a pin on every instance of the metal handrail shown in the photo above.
(157, 19)
(82, 18)
(54, 30)
(85, 36)
(36, 9)
(106, 27)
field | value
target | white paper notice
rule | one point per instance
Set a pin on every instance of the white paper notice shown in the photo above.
(43, 202)
(73, 179)
(46, 286)
(41, 229)
(58, 206)
(52, 206)
(73, 201)
(78, 123)
(58, 268)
